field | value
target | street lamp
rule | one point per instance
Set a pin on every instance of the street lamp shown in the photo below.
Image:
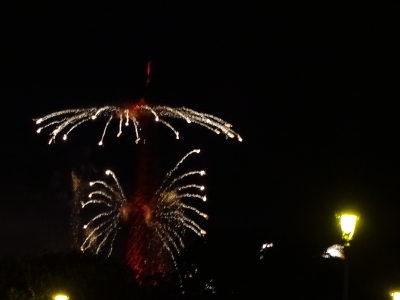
(395, 295)
(61, 297)
(348, 225)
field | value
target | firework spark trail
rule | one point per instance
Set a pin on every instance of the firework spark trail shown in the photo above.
(104, 224)
(72, 118)
(162, 220)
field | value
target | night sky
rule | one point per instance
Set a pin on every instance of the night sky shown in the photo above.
(310, 88)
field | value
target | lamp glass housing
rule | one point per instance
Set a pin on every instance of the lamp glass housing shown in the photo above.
(348, 225)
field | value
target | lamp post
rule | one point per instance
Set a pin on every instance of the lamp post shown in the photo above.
(348, 225)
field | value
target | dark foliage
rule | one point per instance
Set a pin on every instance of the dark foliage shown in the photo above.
(80, 276)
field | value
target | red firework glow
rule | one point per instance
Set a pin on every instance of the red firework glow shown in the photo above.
(146, 253)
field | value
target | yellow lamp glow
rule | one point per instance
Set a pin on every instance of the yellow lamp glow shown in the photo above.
(61, 297)
(348, 225)
(395, 295)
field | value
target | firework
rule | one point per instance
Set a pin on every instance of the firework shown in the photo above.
(102, 229)
(67, 120)
(159, 223)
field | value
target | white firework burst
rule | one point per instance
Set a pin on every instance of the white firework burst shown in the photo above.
(67, 120)
(165, 215)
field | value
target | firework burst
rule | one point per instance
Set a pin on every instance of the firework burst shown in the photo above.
(67, 120)
(159, 223)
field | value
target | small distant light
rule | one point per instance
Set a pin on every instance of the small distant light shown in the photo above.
(197, 150)
(100, 143)
(84, 226)
(91, 183)
(39, 121)
(94, 117)
(61, 297)
(202, 187)
(204, 198)
(157, 119)
(267, 245)
(108, 172)
(39, 130)
(127, 123)
(202, 173)
(203, 232)
(231, 135)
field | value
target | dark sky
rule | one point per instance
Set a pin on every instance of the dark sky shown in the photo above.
(311, 88)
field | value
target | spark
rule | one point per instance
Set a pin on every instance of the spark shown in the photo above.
(72, 118)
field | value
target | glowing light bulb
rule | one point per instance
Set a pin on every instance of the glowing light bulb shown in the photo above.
(203, 232)
(39, 130)
(84, 226)
(217, 131)
(64, 137)
(205, 216)
(157, 119)
(188, 121)
(177, 136)
(108, 172)
(127, 123)
(61, 297)
(231, 135)
(119, 133)
(202, 173)
(100, 143)
(204, 198)
(197, 150)
(39, 121)
(94, 117)
(91, 183)
(202, 188)
(240, 138)
(208, 121)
